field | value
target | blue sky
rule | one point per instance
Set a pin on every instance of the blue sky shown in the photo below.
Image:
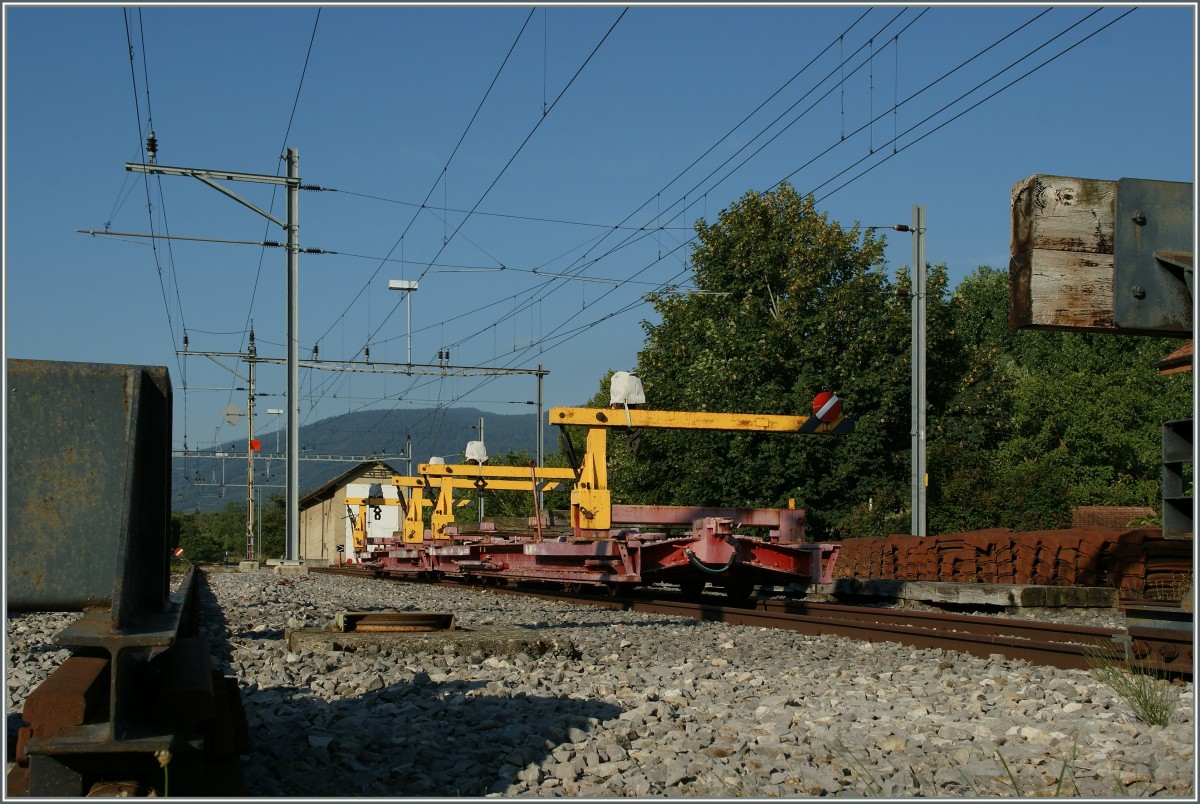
(600, 117)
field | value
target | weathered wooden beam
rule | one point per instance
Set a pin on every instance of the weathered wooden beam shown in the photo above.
(1061, 266)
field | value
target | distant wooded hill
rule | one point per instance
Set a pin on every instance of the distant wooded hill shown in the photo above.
(210, 483)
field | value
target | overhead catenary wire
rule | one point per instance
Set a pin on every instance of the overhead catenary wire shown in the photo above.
(912, 130)
(400, 240)
(642, 228)
(280, 164)
(984, 100)
(1001, 72)
(722, 139)
(479, 213)
(264, 243)
(331, 382)
(507, 164)
(524, 142)
(830, 148)
(248, 330)
(645, 230)
(142, 134)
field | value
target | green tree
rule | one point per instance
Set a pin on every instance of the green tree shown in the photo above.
(788, 304)
(191, 532)
(274, 526)
(1098, 400)
(1043, 421)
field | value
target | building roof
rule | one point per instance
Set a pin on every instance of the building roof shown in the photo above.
(330, 486)
(1178, 361)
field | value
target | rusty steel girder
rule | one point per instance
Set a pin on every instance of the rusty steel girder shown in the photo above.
(88, 530)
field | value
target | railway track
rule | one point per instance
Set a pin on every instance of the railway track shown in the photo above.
(1155, 649)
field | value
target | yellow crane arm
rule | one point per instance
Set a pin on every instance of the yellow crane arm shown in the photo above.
(591, 500)
(471, 471)
(693, 420)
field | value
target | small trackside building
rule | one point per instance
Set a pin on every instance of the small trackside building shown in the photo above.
(329, 524)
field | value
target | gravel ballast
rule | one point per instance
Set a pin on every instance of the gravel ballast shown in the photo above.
(643, 706)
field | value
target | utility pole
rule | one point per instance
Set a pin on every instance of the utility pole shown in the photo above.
(920, 474)
(409, 287)
(292, 227)
(539, 432)
(919, 471)
(292, 551)
(250, 450)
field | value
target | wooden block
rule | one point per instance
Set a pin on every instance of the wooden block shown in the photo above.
(1060, 213)
(1061, 290)
(1061, 245)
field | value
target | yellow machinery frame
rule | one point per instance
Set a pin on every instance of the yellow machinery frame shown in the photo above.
(591, 500)
(446, 482)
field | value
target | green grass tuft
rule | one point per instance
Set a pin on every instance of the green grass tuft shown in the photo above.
(1145, 690)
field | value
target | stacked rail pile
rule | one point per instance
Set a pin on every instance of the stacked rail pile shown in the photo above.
(1139, 562)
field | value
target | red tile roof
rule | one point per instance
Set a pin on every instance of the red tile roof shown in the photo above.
(1178, 361)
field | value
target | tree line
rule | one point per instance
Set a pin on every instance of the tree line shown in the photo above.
(1021, 425)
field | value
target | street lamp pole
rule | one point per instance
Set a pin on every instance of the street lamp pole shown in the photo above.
(540, 436)
(920, 473)
(408, 286)
(481, 441)
(920, 482)
(276, 413)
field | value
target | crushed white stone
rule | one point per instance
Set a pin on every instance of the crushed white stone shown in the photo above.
(648, 706)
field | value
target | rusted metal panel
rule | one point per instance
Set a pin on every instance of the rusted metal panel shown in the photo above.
(1152, 252)
(393, 621)
(88, 487)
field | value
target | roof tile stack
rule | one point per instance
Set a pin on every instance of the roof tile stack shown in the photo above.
(1136, 561)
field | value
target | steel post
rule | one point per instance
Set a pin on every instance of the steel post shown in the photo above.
(918, 373)
(292, 551)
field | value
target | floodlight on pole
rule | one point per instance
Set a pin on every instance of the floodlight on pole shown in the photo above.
(276, 412)
(407, 285)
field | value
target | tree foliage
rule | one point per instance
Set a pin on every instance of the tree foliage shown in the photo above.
(788, 304)
(1043, 421)
(1021, 425)
(221, 535)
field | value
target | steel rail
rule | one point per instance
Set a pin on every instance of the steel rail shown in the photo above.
(1065, 646)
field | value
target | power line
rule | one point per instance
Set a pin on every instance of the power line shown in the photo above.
(280, 163)
(507, 216)
(552, 338)
(580, 269)
(984, 100)
(644, 230)
(445, 167)
(585, 327)
(913, 96)
(504, 169)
